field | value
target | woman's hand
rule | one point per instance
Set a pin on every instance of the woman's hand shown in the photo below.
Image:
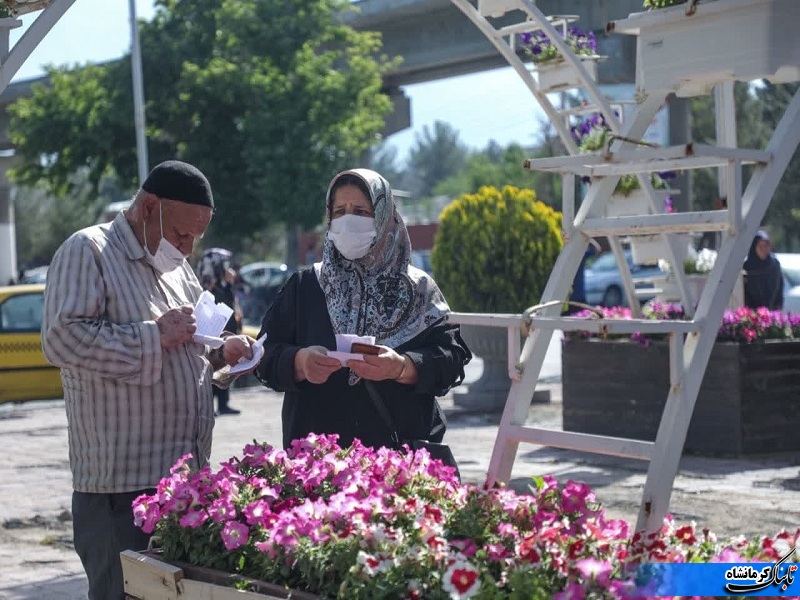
(314, 365)
(386, 365)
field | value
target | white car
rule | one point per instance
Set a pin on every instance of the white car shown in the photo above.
(790, 266)
(261, 274)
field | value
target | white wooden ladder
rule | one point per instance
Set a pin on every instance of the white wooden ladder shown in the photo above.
(690, 341)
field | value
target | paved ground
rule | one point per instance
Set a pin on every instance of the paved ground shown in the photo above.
(750, 497)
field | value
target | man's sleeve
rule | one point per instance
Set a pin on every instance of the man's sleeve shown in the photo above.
(75, 331)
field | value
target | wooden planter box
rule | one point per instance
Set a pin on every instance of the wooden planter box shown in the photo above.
(749, 401)
(723, 40)
(149, 578)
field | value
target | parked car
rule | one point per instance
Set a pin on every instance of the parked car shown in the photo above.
(24, 372)
(422, 260)
(790, 266)
(262, 282)
(35, 275)
(260, 274)
(603, 281)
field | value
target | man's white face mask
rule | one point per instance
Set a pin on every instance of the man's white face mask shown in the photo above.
(352, 235)
(167, 257)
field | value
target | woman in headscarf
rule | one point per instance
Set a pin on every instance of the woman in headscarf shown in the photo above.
(364, 286)
(763, 283)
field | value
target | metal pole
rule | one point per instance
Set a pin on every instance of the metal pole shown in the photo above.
(138, 95)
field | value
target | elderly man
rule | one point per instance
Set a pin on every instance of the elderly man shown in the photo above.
(118, 322)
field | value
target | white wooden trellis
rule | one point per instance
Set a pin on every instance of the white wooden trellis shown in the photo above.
(13, 58)
(691, 341)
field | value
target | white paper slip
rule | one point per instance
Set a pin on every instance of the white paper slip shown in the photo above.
(345, 340)
(208, 340)
(258, 354)
(343, 357)
(210, 316)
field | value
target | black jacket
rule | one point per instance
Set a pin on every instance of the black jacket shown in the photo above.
(763, 281)
(299, 318)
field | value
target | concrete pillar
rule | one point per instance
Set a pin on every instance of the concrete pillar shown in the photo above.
(400, 117)
(8, 241)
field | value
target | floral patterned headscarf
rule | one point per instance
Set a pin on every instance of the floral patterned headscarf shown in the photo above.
(380, 294)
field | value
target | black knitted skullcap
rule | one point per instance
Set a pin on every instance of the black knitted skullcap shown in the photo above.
(176, 180)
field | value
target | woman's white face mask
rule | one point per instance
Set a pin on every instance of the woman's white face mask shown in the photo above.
(167, 257)
(352, 235)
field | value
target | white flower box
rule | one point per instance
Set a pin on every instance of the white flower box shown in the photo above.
(648, 249)
(635, 203)
(557, 76)
(723, 40)
(669, 291)
(496, 8)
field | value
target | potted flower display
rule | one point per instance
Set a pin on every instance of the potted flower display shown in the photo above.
(320, 521)
(553, 73)
(711, 33)
(591, 135)
(696, 267)
(493, 253)
(656, 4)
(749, 400)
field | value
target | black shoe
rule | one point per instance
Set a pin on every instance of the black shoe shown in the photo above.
(228, 411)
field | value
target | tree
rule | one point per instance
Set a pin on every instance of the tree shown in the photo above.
(758, 110)
(495, 166)
(384, 161)
(270, 98)
(751, 132)
(44, 221)
(436, 155)
(783, 215)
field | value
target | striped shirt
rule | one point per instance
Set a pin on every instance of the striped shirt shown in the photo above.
(133, 409)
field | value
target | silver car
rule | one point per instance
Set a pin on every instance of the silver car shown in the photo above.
(790, 266)
(603, 281)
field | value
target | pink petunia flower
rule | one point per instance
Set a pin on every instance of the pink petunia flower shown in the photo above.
(234, 534)
(573, 591)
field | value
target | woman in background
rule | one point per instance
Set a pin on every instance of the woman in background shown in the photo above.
(763, 282)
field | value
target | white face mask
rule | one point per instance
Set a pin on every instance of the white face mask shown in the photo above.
(167, 257)
(352, 235)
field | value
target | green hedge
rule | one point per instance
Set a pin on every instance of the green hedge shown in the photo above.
(495, 249)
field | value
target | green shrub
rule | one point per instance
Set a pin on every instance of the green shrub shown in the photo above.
(495, 249)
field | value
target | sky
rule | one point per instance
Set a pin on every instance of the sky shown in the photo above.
(494, 105)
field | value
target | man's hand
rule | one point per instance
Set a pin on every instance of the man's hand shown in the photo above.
(237, 347)
(314, 365)
(386, 365)
(176, 326)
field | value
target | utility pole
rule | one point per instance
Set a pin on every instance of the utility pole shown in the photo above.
(138, 96)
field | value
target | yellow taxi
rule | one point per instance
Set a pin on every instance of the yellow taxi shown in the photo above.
(24, 372)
